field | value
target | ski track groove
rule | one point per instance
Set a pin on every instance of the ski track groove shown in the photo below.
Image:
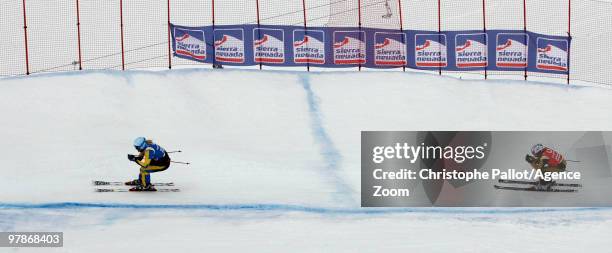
(331, 155)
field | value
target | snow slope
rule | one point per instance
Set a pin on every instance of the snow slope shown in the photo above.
(275, 159)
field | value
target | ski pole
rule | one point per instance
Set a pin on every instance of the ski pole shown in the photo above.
(180, 162)
(572, 161)
(175, 151)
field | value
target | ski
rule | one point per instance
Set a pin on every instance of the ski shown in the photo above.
(531, 189)
(535, 183)
(115, 183)
(128, 190)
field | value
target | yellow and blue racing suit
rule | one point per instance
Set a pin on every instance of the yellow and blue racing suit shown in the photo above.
(154, 159)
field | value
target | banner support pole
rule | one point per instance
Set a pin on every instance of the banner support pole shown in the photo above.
(78, 16)
(439, 37)
(569, 37)
(258, 30)
(25, 36)
(526, 40)
(121, 24)
(214, 54)
(484, 29)
(305, 31)
(401, 21)
(360, 39)
(169, 35)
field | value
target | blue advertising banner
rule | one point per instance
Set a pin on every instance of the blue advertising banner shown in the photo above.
(308, 46)
(337, 47)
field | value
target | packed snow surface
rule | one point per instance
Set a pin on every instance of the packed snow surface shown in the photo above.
(275, 160)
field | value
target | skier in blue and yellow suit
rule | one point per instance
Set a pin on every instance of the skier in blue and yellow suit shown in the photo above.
(152, 158)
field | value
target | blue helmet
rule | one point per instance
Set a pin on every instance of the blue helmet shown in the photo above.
(140, 143)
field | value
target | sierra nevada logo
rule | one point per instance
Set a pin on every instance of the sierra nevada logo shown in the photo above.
(390, 49)
(269, 45)
(511, 50)
(430, 50)
(349, 47)
(471, 50)
(552, 54)
(190, 44)
(309, 46)
(229, 45)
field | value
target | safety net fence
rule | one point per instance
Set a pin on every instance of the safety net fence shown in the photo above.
(525, 39)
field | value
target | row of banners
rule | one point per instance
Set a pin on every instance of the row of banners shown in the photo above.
(244, 45)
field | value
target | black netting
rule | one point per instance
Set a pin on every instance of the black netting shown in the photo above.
(591, 26)
(547, 17)
(100, 34)
(12, 39)
(53, 35)
(198, 13)
(145, 45)
(504, 15)
(292, 13)
(52, 42)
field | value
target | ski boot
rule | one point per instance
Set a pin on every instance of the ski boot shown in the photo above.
(133, 182)
(140, 188)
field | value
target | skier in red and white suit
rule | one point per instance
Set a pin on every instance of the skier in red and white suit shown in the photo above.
(547, 160)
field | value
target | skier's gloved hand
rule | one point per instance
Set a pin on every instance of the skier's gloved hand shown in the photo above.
(529, 158)
(132, 157)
